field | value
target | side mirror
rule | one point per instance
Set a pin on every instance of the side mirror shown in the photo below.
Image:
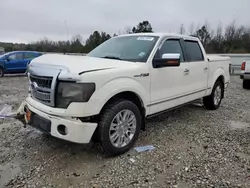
(7, 59)
(167, 60)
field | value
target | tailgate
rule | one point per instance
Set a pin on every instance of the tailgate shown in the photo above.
(247, 68)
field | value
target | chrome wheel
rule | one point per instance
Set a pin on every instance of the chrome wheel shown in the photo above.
(122, 128)
(217, 95)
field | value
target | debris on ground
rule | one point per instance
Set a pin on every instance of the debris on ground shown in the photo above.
(6, 112)
(144, 148)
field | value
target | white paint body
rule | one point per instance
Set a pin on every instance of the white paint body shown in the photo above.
(163, 89)
(246, 73)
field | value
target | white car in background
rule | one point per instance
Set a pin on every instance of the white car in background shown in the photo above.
(245, 74)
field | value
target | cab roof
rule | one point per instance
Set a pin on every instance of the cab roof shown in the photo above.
(161, 35)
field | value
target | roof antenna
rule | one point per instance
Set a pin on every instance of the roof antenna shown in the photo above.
(67, 31)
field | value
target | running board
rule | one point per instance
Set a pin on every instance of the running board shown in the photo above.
(173, 108)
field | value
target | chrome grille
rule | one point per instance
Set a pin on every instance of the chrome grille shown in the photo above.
(42, 81)
(41, 96)
(42, 89)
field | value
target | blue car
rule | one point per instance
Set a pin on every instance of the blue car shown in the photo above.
(16, 62)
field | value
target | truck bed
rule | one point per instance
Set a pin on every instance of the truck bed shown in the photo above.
(217, 58)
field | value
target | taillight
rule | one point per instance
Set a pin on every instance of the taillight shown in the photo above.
(243, 66)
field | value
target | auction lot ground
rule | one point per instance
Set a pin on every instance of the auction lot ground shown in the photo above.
(194, 148)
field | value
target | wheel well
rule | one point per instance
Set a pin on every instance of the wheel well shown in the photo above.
(221, 79)
(131, 96)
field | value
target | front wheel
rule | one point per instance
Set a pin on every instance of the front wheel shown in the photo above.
(213, 101)
(119, 126)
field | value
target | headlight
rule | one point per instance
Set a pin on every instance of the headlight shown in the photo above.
(68, 92)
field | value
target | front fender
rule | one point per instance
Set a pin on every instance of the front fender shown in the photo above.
(116, 86)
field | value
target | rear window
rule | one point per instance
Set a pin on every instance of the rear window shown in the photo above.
(14, 57)
(193, 50)
(30, 55)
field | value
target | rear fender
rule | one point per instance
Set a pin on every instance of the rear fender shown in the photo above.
(219, 72)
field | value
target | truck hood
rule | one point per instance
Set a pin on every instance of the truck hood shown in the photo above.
(79, 64)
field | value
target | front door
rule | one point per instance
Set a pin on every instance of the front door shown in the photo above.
(169, 85)
(15, 62)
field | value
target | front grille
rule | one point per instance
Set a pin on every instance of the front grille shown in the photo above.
(42, 81)
(42, 96)
(41, 89)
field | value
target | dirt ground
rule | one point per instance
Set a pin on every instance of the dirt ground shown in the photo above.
(194, 147)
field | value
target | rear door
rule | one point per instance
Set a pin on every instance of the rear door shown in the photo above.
(15, 62)
(197, 68)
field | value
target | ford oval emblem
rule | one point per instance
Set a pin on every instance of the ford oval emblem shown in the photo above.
(34, 85)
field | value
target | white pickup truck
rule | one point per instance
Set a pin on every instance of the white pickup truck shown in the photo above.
(108, 94)
(245, 74)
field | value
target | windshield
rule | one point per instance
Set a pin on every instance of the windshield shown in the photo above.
(4, 54)
(129, 48)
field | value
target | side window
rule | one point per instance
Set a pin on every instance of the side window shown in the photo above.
(19, 56)
(12, 57)
(29, 55)
(193, 50)
(171, 46)
(15, 57)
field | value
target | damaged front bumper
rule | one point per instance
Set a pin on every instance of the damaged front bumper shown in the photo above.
(67, 128)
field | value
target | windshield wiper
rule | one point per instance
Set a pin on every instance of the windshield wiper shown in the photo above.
(112, 57)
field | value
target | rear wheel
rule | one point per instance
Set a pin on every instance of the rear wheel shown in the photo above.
(119, 126)
(213, 101)
(246, 84)
(1, 72)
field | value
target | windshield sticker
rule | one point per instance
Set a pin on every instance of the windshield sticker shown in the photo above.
(146, 38)
(142, 54)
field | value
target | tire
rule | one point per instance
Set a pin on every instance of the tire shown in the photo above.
(213, 101)
(1, 72)
(246, 84)
(109, 119)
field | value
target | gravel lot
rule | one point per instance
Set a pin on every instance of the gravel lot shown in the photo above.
(194, 148)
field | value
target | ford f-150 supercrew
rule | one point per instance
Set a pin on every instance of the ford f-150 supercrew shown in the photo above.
(107, 95)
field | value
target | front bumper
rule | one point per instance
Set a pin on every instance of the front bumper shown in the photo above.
(66, 128)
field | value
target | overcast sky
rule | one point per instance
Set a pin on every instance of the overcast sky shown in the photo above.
(30, 20)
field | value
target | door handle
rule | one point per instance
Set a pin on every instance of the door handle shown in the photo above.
(205, 68)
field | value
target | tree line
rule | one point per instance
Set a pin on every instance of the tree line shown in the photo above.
(229, 39)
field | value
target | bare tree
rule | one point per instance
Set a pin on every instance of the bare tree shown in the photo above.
(230, 31)
(182, 29)
(204, 35)
(219, 36)
(191, 29)
(127, 30)
(77, 38)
